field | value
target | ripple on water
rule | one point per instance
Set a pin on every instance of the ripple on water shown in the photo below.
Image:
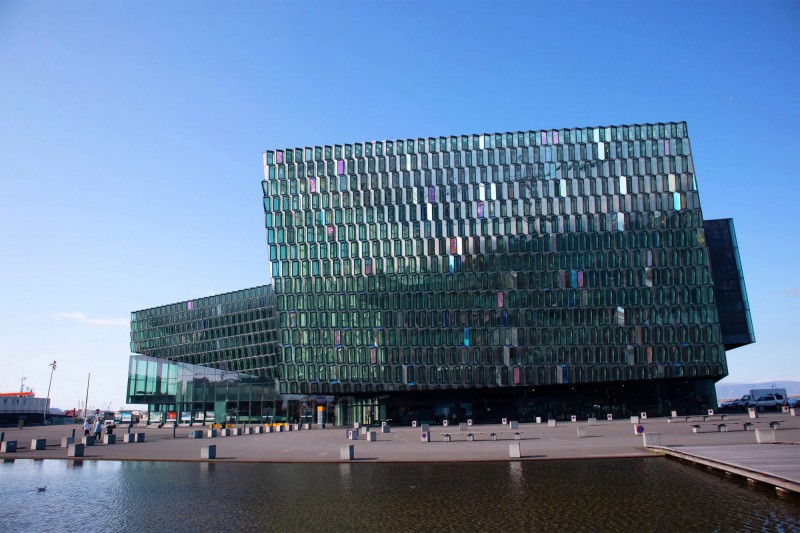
(609, 494)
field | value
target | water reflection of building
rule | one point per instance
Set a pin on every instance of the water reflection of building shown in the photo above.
(540, 273)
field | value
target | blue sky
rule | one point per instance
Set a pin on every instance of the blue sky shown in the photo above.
(132, 133)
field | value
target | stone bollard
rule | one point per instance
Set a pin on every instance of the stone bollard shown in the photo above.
(651, 439)
(278, 429)
(581, 432)
(765, 436)
(753, 412)
(385, 429)
(306, 426)
(8, 446)
(208, 452)
(237, 432)
(212, 433)
(140, 437)
(259, 430)
(513, 425)
(551, 423)
(372, 436)
(129, 438)
(697, 429)
(196, 434)
(249, 431)
(356, 425)
(347, 452)
(425, 436)
(514, 450)
(538, 419)
(748, 426)
(66, 441)
(722, 427)
(774, 425)
(634, 420)
(88, 440)
(592, 421)
(109, 438)
(269, 429)
(226, 432)
(75, 450)
(352, 434)
(674, 414)
(363, 430)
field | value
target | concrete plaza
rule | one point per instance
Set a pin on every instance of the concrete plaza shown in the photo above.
(606, 439)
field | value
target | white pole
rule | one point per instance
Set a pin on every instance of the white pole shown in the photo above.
(47, 404)
(86, 403)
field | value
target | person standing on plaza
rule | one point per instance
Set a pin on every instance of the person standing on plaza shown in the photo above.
(98, 427)
(86, 427)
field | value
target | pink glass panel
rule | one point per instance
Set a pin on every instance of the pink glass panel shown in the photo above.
(279, 156)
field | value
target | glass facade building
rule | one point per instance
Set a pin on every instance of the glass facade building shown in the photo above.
(520, 274)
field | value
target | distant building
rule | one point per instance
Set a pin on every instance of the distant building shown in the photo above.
(540, 273)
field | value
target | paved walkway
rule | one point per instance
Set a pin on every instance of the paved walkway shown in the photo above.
(402, 444)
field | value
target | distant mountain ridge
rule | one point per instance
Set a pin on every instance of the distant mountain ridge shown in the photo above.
(731, 391)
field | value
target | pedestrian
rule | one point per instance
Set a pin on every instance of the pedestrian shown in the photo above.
(98, 426)
(86, 427)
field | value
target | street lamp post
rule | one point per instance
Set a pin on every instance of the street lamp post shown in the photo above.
(47, 404)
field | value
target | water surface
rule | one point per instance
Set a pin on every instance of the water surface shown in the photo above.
(654, 494)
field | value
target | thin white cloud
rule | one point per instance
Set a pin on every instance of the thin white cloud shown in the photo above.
(794, 291)
(81, 317)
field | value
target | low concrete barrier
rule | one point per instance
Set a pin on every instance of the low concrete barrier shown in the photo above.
(697, 429)
(66, 441)
(774, 425)
(765, 436)
(592, 421)
(551, 423)
(352, 434)
(581, 432)
(347, 452)
(140, 437)
(651, 439)
(88, 440)
(208, 452)
(259, 430)
(722, 427)
(196, 434)
(225, 432)
(385, 429)
(748, 426)
(109, 438)
(634, 420)
(792, 411)
(513, 424)
(129, 438)
(38, 444)
(8, 446)
(514, 450)
(75, 450)
(372, 436)
(249, 431)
